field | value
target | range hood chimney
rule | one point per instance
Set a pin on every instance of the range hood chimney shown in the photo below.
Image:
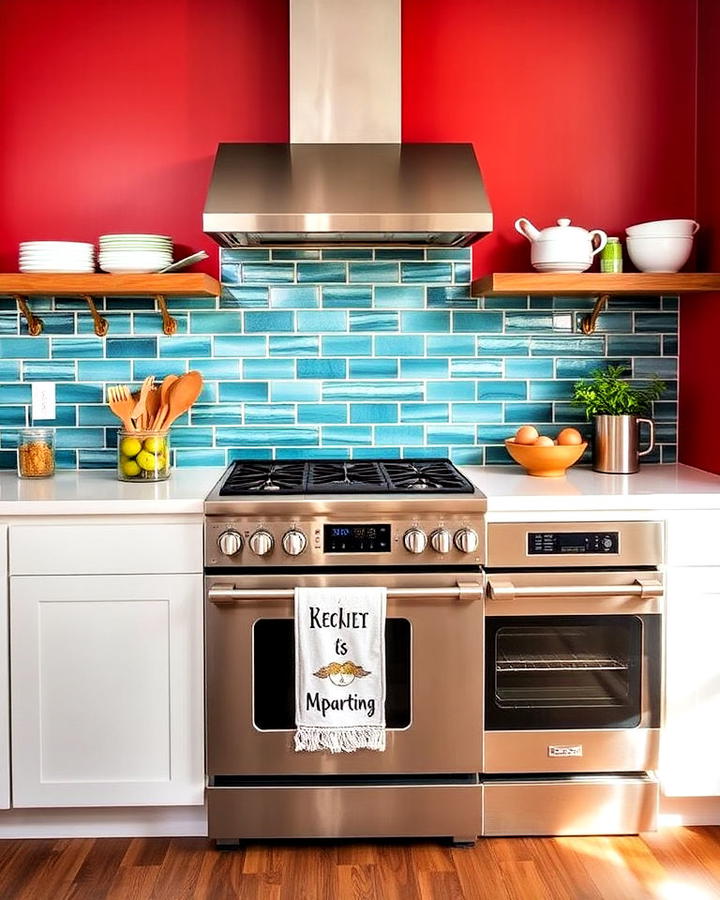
(345, 177)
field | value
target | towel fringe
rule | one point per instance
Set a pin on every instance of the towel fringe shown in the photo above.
(340, 740)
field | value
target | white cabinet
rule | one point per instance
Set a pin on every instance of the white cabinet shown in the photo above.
(4, 676)
(690, 745)
(107, 690)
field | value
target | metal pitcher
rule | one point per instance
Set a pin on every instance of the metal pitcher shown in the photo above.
(615, 445)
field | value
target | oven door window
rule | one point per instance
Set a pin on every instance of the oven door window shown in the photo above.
(274, 674)
(566, 672)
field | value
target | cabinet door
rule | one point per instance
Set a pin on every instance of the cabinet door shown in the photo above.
(4, 676)
(107, 690)
(690, 742)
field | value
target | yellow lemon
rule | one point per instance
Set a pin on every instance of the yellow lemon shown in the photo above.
(130, 468)
(130, 446)
(154, 444)
(161, 462)
(147, 461)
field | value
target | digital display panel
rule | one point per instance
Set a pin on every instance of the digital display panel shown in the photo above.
(356, 538)
(553, 542)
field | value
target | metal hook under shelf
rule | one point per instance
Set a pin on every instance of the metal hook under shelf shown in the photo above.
(169, 324)
(101, 324)
(589, 323)
(35, 325)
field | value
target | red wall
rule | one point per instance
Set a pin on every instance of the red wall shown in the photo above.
(700, 315)
(111, 112)
(575, 108)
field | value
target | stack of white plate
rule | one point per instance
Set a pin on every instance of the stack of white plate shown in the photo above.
(57, 256)
(125, 254)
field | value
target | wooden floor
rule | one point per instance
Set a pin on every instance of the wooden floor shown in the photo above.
(674, 864)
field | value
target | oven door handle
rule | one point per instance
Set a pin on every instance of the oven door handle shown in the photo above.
(504, 589)
(228, 594)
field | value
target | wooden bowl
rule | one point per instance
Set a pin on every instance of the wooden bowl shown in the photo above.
(547, 462)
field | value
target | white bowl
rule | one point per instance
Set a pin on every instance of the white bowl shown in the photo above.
(664, 228)
(659, 254)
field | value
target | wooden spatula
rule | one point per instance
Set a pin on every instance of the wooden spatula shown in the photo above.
(139, 414)
(152, 406)
(183, 394)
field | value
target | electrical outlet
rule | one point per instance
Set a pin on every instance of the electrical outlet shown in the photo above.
(43, 400)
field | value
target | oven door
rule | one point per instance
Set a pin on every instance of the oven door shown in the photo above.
(434, 676)
(573, 671)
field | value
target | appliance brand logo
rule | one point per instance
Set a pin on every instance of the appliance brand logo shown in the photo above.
(565, 750)
(341, 674)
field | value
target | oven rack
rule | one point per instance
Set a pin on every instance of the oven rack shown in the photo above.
(559, 663)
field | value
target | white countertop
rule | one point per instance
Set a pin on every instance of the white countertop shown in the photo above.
(93, 492)
(507, 488)
(654, 487)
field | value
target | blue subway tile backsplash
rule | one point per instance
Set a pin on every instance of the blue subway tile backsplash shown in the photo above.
(344, 352)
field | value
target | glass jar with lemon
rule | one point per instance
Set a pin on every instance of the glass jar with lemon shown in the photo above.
(143, 455)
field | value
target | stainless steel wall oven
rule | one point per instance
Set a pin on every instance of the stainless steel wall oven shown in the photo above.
(573, 650)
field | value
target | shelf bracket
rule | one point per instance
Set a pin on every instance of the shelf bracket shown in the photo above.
(101, 324)
(169, 324)
(589, 323)
(35, 325)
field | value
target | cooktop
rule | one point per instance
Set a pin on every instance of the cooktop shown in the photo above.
(343, 476)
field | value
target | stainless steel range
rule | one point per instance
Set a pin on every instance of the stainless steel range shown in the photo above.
(413, 526)
(523, 660)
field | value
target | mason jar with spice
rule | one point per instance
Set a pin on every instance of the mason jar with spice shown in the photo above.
(36, 452)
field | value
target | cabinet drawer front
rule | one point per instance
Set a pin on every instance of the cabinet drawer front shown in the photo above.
(105, 549)
(692, 537)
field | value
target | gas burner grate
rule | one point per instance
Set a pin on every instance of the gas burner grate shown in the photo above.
(342, 476)
(265, 477)
(345, 476)
(429, 476)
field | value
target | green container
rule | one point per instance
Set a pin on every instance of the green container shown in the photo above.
(611, 256)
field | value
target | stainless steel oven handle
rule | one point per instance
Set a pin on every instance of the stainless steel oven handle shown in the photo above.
(227, 594)
(504, 589)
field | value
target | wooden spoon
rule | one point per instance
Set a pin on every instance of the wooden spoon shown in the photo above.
(183, 394)
(165, 388)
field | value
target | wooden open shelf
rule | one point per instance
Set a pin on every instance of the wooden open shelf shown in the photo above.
(97, 284)
(594, 283)
(21, 286)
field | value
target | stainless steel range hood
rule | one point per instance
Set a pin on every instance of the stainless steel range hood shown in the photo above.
(345, 177)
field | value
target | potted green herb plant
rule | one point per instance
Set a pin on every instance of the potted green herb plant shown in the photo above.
(617, 408)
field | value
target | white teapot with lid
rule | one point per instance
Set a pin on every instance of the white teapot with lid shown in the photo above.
(562, 247)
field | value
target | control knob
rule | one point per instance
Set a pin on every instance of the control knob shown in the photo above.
(466, 540)
(415, 540)
(294, 542)
(261, 542)
(230, 542)
(441, 540)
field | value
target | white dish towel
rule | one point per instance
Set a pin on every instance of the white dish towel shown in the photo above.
(340, 668)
